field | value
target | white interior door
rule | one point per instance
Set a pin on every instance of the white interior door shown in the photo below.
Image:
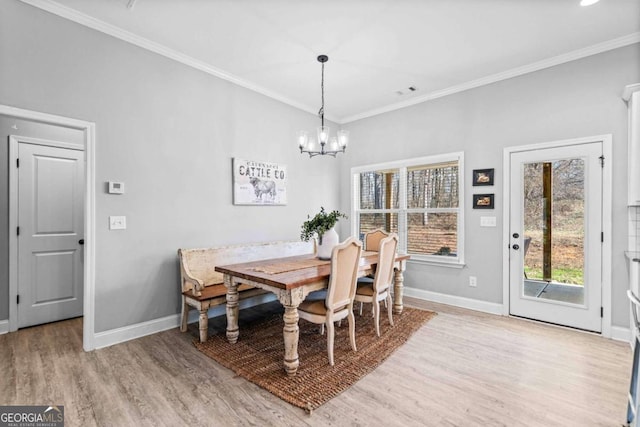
(555, 262)
(50, 220)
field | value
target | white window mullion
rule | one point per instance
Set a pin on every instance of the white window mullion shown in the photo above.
(402, 211)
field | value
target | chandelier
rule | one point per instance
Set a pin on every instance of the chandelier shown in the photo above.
(325, 144)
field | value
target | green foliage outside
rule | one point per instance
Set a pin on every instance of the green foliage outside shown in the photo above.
(572, 276)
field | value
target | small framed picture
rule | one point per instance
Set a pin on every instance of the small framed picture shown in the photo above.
(482, 177)
(483, 201)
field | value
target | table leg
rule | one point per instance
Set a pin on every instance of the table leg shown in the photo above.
(232, 309)
(398, 287)
(291, 333)
(203, 324)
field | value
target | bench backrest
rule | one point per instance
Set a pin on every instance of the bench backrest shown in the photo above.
(200, 263)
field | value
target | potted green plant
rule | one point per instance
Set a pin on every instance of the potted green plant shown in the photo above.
(321, 225)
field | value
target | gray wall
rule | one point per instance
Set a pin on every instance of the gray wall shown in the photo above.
(169, 132)
(577, 99)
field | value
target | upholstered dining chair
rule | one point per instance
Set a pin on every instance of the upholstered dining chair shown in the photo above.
(372, 239)
(380, 288)
(338, 303)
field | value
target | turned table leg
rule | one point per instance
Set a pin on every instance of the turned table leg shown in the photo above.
(291, 334)
(398, 286)
(232, 309)
(203, 324)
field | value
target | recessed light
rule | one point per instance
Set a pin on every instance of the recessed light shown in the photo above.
(588, 2)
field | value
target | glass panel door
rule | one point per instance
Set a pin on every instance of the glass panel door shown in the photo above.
(555, 260)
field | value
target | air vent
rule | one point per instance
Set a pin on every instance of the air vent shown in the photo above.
(406, 91)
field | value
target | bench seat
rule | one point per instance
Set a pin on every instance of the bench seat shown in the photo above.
(202, 287)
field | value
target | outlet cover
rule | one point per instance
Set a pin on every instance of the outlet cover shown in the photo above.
(117, 222)
(487, 221)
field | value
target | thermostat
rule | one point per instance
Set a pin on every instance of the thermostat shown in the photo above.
(116, 187)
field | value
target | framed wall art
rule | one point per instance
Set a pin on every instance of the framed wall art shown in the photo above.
(482, 177)
(259, 183)
(483, 201)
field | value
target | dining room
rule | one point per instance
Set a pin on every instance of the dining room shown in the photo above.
(462, 129)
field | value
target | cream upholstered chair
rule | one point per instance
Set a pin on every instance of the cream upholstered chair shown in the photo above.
(372, 243)
(338, 303)
(372, 239)
(380, 290)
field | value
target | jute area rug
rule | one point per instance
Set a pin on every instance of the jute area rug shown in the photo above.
(259, 352)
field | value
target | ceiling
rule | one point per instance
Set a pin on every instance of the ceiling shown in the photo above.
(377, 48)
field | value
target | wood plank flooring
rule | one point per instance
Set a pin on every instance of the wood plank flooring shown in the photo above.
(463, 368)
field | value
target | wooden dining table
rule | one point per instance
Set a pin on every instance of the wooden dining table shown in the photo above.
(291, 279)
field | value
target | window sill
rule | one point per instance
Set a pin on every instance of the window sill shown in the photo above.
(436, 263)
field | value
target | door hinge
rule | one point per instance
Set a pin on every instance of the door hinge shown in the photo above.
(18, 231)
(601, 311)
(18, 299)
(602, 236)
(18, 163)
(601, 160)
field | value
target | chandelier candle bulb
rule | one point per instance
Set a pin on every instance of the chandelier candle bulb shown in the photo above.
(326, 144)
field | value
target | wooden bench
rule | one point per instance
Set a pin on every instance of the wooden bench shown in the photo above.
(202, 287)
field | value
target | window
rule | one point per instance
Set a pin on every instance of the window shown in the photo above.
(420, 199)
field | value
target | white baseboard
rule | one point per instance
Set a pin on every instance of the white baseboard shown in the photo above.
(139, 330)
(471, 304)
(4, 326)
(620, 333)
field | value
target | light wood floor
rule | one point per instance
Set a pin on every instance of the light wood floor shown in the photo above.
(463, 368)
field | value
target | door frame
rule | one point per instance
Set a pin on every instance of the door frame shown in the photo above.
(14, 180)
(88, 322)
(607, 182)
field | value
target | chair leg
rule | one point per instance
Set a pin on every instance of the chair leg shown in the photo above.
(203, 325)
(330, 336)
(184, 317)
(352, 330)
(361, 304)
(376, 315)
(322, 329)
(389, 308)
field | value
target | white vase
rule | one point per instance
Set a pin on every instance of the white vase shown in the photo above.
(327, 242)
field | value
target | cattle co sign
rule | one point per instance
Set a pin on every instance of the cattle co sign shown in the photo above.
(259, 183)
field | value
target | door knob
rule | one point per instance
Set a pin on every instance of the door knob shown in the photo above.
(516, 235)
(81, 241)
(516, 247)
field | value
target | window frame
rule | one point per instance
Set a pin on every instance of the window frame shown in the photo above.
(402, 166)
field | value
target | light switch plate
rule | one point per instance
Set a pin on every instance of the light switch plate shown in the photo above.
(487, 221)
(117, 222)
(116, 187)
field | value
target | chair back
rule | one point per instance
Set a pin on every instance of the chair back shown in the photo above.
(373, 238)
(386, 258)
(345, 260)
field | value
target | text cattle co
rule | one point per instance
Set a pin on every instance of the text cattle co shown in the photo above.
(261, 170)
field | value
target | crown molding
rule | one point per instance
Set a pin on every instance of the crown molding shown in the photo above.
(117, 32)
(514, 72)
